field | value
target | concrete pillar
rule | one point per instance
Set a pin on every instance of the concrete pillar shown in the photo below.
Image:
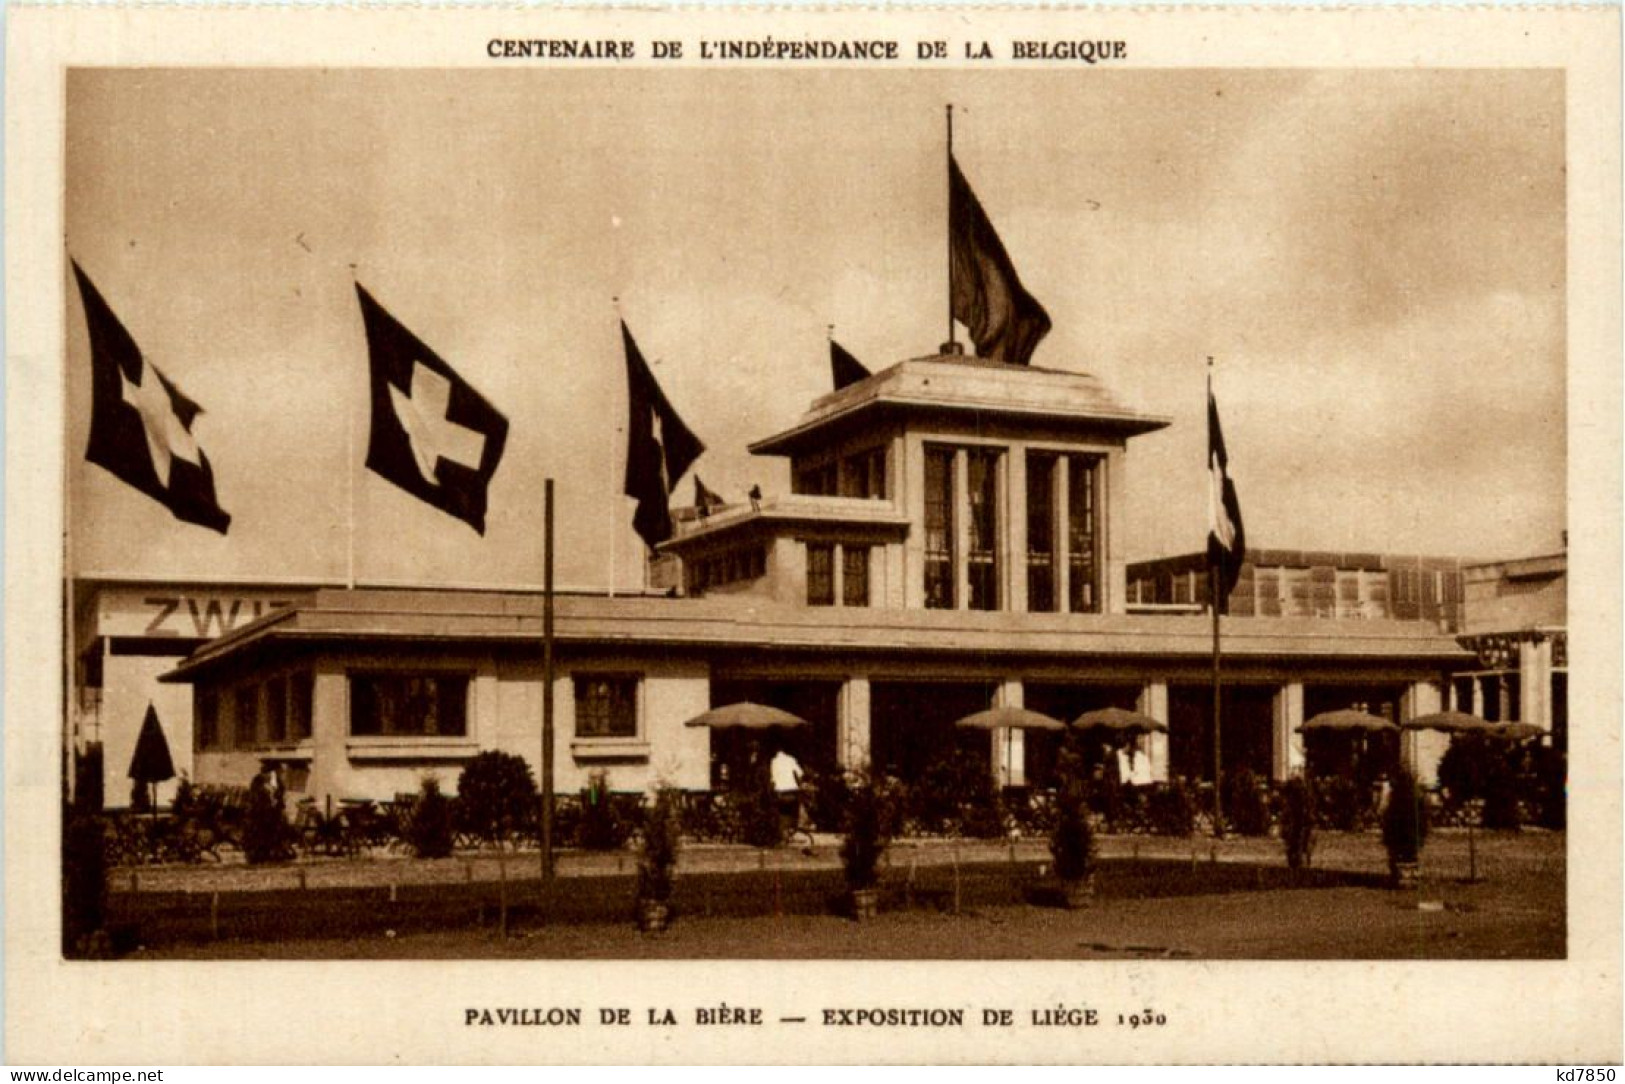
(1288, 757)
(1154, 702)
(911, 499)
(961, 488)
(1014, 536)
(1009, 750)
(1421, 750)
(329, 729)
(1062, 506)
(1113, 567)
(1476, 707)
(1535, 686)
(852, 724)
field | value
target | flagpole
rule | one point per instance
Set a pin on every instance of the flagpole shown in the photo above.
(349, 474)
(609, 461)
(547, 682)
(952, 343)
(1213, 587)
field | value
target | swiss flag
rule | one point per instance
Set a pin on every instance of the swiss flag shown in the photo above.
(141, 424)
(432, 433)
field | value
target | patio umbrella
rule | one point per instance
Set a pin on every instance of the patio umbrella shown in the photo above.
(746, 715)
(1459, 722)
(151, 764)
(1347, 720)
(1119, 721)
(1010, 718)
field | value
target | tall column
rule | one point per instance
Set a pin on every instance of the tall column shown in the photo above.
(1061, 506)
(1477, 703)
(1009, 749)
(852, 724)
(1535, 686)
(329, 725)
(1154, 702)
(1288, 758)
(1422, 750)
(961, 487)
(1014, 536)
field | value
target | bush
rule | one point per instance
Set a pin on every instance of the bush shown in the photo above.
(826, 806)
(1404, 822)
(84, 883)
(267, 835)
(430, 829)
(662, 830)
(601, 825)
(496, 796)
(1246, 804)
(1072, 843)
(956, 794)
(1341, 803)
(1551, 788)
(865, 825)
(1171, 810)
(1297, 822)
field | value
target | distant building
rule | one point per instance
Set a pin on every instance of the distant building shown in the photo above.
(951, 542)
(1515, 623)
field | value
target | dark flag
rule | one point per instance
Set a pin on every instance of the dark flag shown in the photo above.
(141, 424)
(1005, 321)
(706, 501)
(432, 433)
(848, 370)
(659, 447)
(1226, 541)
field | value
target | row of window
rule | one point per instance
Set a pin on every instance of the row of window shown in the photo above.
(420, 705)
(852, 561)
(1062, 530)
(860, 475)
(733, 567)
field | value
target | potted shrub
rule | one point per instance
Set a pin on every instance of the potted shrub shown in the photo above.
(657, 865)
(1404, 828)
(867, 831)
(1072, 845)
(430, 829)
(1297, 823)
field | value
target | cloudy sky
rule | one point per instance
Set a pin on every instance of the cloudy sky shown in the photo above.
(1376, 259)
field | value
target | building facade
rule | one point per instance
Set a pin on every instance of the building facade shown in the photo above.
(949, 543)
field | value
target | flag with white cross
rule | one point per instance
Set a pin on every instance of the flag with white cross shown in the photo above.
(432, 433)
(141, 424)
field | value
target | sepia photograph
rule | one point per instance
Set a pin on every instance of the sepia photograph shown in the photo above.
(787, 506)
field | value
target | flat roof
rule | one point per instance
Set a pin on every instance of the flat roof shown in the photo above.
(869, 516)
(338, 617)
(952, 384)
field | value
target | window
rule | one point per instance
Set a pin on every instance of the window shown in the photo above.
(416, 705)
(982, 476)
(854, 575)
(820, 574)
(1083, 575)
(1268, 581)
(819, 481)
(1040, 532)
(1348, 594)
(606, 706)
(939, 528)
(864, 475)
(1296, 597)
(276, 710)
(301, 704)
(246, 716)
(208, 718)
(1374, 594)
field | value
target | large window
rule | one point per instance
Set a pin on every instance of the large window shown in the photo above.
(854, 575)
(1082, 535)
(982, 488)
(1040, 532)
(820, 574)
(276, 710)
(417, 705)
(819, 481)
(939, 528)
(301, 703)
(864, 474)
(246, 716)
(606, 706)
(208, 718)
